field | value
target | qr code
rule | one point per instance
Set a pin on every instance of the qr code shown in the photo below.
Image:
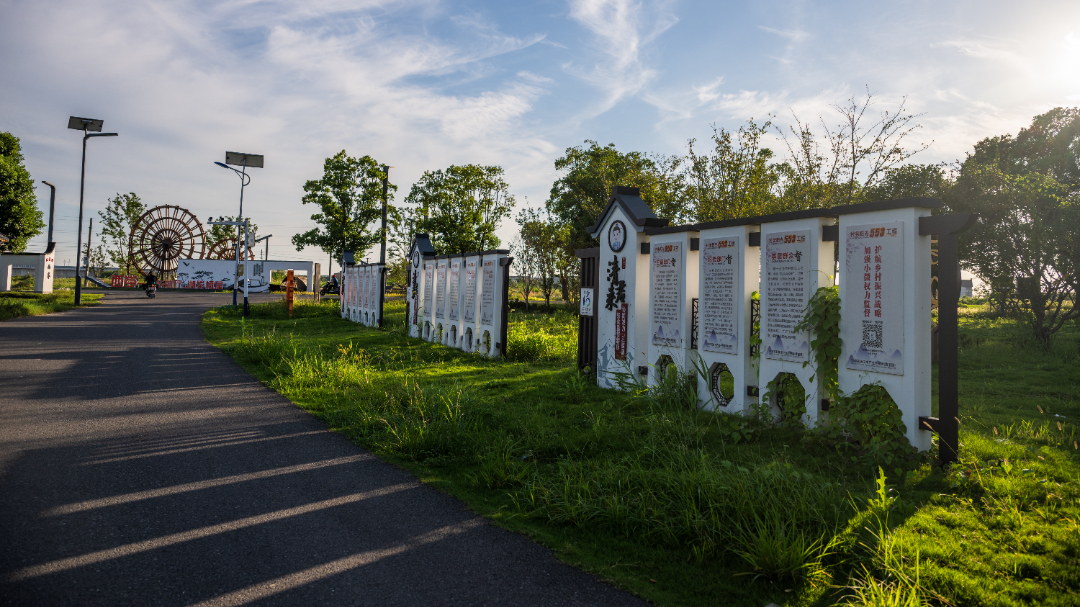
(871, 334)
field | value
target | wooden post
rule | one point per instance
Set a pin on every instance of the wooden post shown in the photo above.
(289, 283)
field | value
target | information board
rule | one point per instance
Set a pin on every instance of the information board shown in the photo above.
(429, 282)
(440, 279)
(455, 288)
(721, 259)
(874, 277)
(470, 291)
(487, 293)
(667, 294)
(787, 265)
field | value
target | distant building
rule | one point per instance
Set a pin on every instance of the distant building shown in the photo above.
(966, 288)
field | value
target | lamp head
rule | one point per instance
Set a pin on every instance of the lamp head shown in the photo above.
(223, 165)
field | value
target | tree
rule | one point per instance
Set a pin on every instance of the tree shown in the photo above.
(20, 219)
(541, 245)
(737, 178)
(590, 172)
(526, 266)
(857, 158)
(460, 208)
(1026, 244)
(349, 197)
(122, 212)
(220, 232)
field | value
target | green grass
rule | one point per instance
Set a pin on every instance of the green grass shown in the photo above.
(14, 304)
(691, 508)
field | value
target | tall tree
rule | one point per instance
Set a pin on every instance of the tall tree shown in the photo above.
(737, 178)
(122, 212)
(1026, 245)
(20, 219)
(541, 244)
(858, 153)
(349, 197)
(460, 207)
(589, 173)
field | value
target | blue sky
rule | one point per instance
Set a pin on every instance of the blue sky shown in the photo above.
(424, 84)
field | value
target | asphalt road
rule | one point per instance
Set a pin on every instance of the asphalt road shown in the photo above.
(140, 466)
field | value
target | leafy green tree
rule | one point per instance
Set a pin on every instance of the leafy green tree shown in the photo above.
(589, 173)
(737, 178)
(907, 181)
(219, 232)
(1026, 191)
(540, 248)
(116, 221)
(460, 208)
(20, 219)
(349, 197)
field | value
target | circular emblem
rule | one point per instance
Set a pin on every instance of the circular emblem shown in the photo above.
(416, 259)
(616, 236)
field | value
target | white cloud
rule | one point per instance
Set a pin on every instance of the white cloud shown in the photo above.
(622, 29)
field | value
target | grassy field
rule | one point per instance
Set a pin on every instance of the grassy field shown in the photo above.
(14, 304)
(692, 508)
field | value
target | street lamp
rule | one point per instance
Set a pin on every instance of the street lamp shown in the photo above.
(385, 184)
(266, 254)
(86, 125)
(245, 161)
(52, 207)
(236, 276)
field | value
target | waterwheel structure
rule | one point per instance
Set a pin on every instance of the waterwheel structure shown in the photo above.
(164, 235)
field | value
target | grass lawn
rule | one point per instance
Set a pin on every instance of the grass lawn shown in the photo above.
(14, 304)
(693, 508)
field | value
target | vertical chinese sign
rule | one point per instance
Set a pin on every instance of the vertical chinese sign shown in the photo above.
(620, 333)
(470, 291)
(667, 294)
(720, 259)
(875, 279)
(787, 264)
(429, 283)
(455, 280)
(487, 293)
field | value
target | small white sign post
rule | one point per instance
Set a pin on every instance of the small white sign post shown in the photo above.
(795, 262)
(728, 276)
(885, 310)
(470, 302)
(673, 281)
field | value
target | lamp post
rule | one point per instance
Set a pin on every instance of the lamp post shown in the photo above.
(86, 125)
(245, 161)
(266, 253)
(385, 184)
(236, 275)
(52, 206)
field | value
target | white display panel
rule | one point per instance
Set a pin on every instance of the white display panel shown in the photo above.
(721, 259)
(455, 289)
(787, 264)
(470, 291)
(487, 291)
(667, 294)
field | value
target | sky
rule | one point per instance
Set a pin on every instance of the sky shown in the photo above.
(424, 84)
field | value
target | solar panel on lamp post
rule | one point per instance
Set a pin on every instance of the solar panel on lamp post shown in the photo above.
(242, 160)
(86, 125)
